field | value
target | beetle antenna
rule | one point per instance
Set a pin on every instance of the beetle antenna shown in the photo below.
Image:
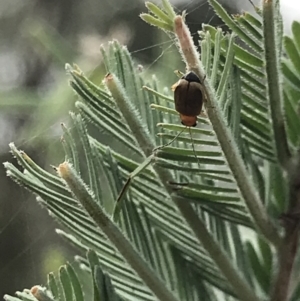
(170, 142)
(193, 147)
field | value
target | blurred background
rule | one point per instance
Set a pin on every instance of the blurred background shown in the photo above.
(37, 38)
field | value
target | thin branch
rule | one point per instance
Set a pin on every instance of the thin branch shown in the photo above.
(274, 83)
(240, 287)
(287, 255)
(79, 190)
(226, 140)
(288, 249)
(290, 244)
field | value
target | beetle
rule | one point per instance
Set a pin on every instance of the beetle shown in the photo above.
(188, 98)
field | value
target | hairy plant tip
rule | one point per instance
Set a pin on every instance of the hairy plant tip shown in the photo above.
(130, 113)
(82, 193)
(7, 166)
(39, 293)
(16, 153)
(117, 92)
(186, 46)
(113, 233)
(19, 155)
(63, 170)
(75, 184)
(13, 149)
(70, 69)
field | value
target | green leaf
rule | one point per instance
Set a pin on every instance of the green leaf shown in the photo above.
(77, 290)
(158, 12)
(261, 274)
(94, 263)
(53, 286)
(292, 52)
(220, 11)
(66, 284)
(156, 22)
(292, 119)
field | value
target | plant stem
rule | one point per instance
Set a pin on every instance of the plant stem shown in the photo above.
(240, 287)
(289, 247)
(288, 250)
(274, 84)
(226, 140)
(78, 189)
(287, 254)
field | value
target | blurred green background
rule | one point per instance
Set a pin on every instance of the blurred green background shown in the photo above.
(37, 38)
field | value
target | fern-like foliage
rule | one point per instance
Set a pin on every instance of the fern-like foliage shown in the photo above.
(189, 239)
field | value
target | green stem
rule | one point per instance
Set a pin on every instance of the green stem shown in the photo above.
(205, 238)
(286, 259)
(240, 287)
(226, 140)
(274, 84)
(79, 190)
(281, 288)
